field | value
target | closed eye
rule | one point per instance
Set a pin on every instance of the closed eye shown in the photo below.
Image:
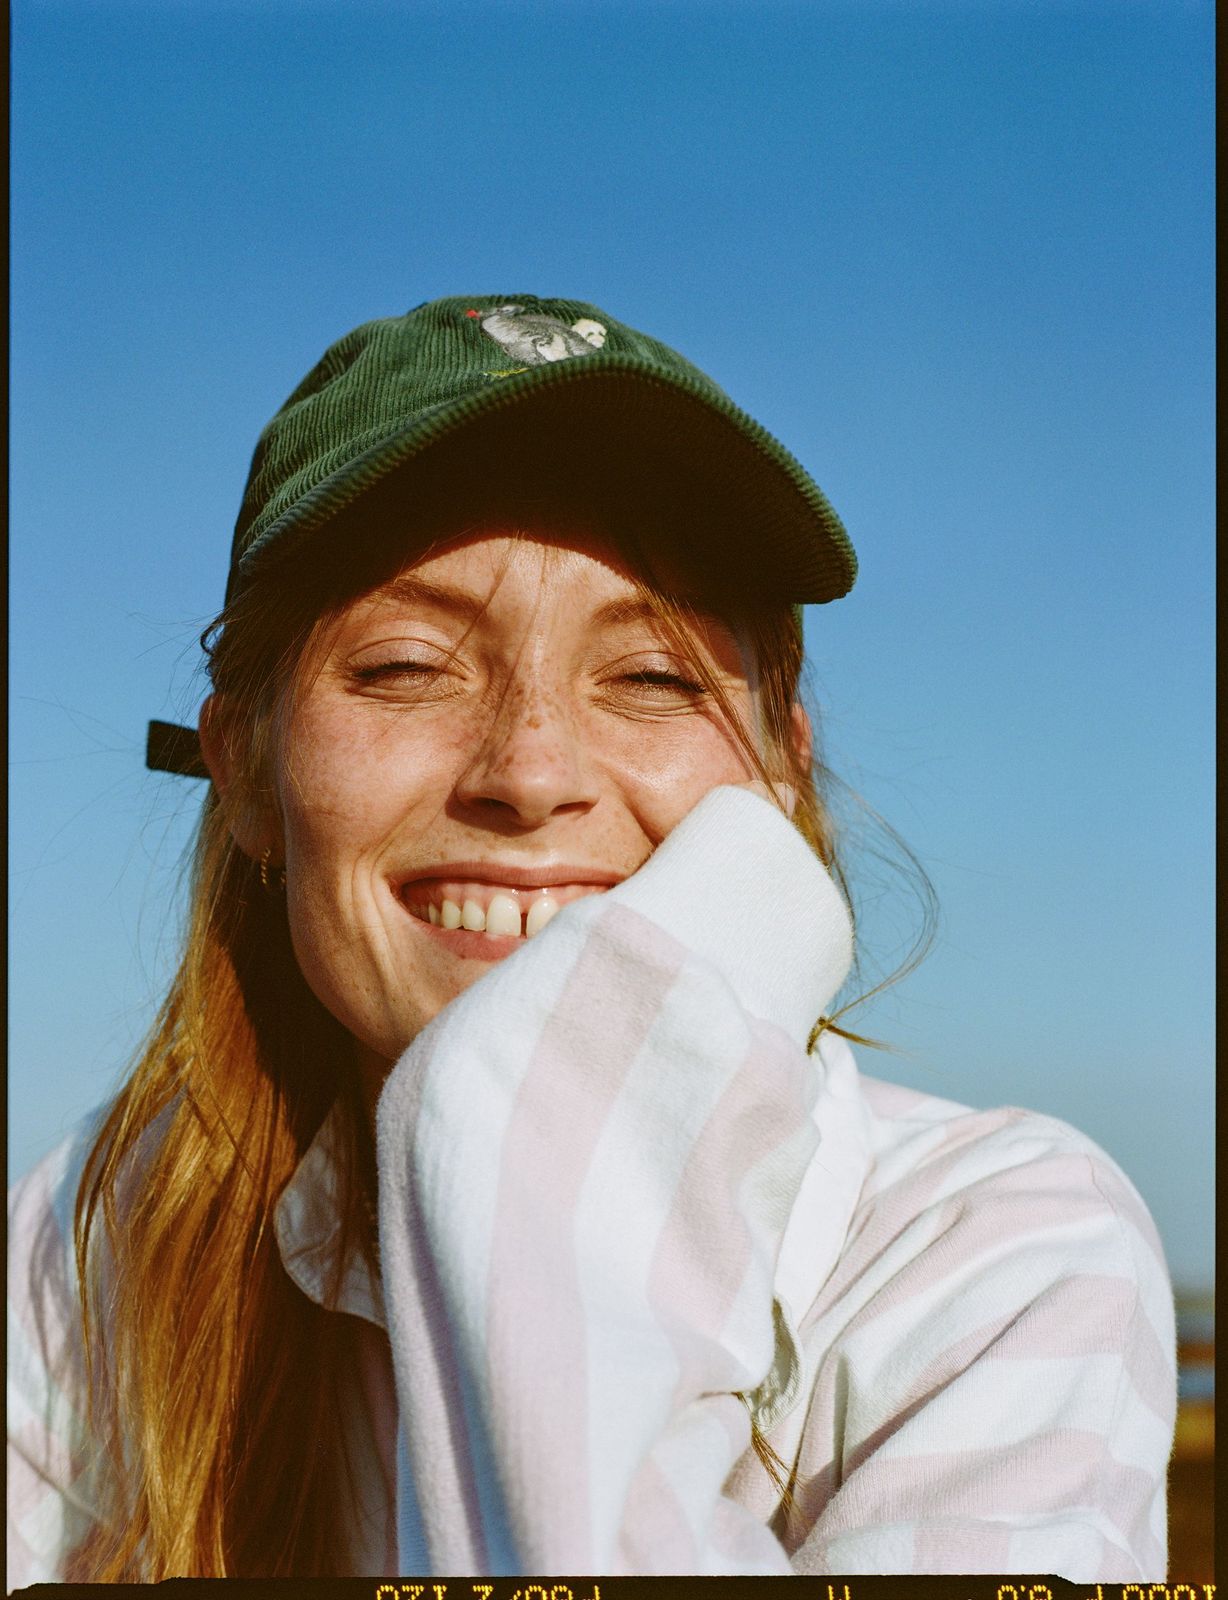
(662, 680)
(389, 669)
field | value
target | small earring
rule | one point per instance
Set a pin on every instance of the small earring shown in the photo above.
(266, 883)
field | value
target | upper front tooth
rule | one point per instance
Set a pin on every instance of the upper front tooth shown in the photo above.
(502, 915)
(473, 917)
(539, 915)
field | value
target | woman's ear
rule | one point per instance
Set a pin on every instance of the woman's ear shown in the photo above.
(213, 747)
(251, 827)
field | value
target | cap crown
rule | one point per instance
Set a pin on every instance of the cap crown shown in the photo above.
(397, 372)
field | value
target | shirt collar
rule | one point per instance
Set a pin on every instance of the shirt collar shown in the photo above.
(832, 1184)
(307, 1225)
(818, 1225)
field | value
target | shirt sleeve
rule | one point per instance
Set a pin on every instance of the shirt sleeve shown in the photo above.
(997, 1387)
(587, 1163)
(51, 1495)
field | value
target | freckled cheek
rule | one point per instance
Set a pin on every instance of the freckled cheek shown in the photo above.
(666, 770)
(344, 793)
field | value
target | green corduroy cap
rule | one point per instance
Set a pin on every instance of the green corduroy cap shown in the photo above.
(510, 403)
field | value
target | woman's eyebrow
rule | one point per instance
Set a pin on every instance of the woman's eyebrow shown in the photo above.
(409, 587)
(623, 608)
(633, 608)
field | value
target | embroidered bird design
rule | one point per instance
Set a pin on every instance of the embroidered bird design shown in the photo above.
(533, 338)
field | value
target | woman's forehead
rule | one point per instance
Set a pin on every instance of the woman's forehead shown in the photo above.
(517, 569)
(578, 553)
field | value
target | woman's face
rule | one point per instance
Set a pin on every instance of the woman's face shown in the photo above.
(496, 732)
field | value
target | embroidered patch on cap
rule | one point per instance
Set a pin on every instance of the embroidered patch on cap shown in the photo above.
(533, 338)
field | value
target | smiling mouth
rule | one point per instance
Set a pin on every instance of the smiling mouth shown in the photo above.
(493, 911)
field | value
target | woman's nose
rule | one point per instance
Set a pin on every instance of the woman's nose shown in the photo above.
(533, 761)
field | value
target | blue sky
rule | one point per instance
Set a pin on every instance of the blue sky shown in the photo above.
(957, 256)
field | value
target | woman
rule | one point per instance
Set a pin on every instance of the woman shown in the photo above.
(496, 1192)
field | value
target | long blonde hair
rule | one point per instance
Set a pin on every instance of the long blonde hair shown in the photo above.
(214, 1383)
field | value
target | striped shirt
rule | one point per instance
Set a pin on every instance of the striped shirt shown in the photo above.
(622, 1211)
